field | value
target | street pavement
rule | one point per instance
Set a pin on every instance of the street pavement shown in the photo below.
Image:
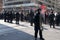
(23, 31)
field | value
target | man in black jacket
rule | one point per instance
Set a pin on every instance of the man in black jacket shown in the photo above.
(31, 17)
(17, 18)
(11, 17)
(51, 19)
(22, 16)
(5, 18)
(38, 25)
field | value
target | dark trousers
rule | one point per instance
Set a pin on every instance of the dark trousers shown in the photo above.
(8, 19)
(31, 23)
(11, 20)
(4, 19)
(52, 24)
(40, 33)
(17, 22)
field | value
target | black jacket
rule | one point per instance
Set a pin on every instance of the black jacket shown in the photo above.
(17, 16)
(38, 21)
(51, 17)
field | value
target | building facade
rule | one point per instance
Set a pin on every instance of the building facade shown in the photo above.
(18, 4)
(51, 4)
(1, 5)
(26, 4)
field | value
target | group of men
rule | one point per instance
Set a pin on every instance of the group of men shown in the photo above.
(57, 19)
(9, 16)
(53, 19)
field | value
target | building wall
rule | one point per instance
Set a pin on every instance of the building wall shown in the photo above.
(51, 3)
(1, 5)
(18, 3)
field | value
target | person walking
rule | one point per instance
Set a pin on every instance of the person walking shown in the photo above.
(51, 19)
(11, 17)
(38, 25)
(31, 17)
(22, 16)
(17, 16)
(8, 16)
(5, 16)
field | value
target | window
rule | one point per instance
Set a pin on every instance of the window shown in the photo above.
(15, 3)
(40, 3)
(49, 6)
(49, 1)
(8, 0)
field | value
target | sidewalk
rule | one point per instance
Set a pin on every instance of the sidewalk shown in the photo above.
(24, 31)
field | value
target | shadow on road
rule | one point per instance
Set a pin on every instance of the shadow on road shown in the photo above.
(14, 34)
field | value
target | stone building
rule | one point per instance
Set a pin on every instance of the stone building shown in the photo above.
(26, 4)
(1, 5)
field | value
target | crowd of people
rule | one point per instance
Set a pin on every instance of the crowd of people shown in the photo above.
(9, 16)
(52, 18)
(34, 17)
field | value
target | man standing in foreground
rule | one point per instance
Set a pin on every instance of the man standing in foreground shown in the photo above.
(38, 24)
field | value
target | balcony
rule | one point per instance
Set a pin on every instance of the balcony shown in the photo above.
(20, 5)
(12, 1)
